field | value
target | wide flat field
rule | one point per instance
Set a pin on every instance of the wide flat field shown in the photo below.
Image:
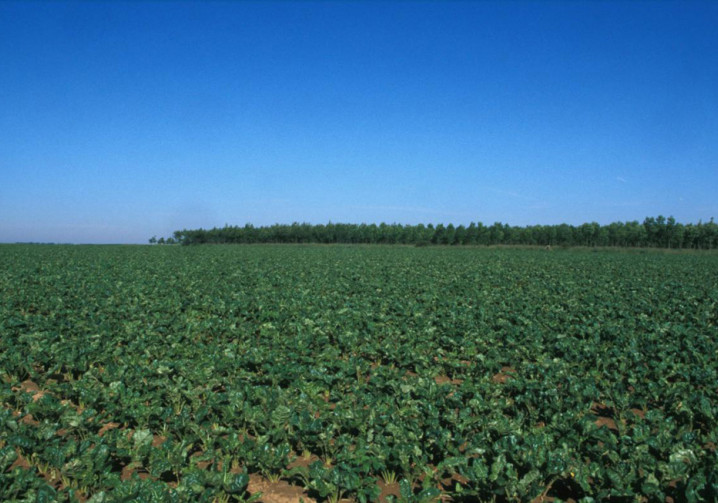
(326, 372)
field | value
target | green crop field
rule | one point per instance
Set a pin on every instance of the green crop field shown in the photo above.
(216, 373)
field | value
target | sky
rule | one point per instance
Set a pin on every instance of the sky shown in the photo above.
(120, 121)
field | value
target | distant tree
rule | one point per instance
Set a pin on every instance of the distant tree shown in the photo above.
(650, 224)
(669, 236)
(449, 237)
(471, 235)
(482, 234)
(601, 236)
(550, 235)
(178, 235)
(564, 235)
(419, 235)
(709, 234)
(460, 235)
(496, 233)
(438, 237)
(678, 235)
(153, 240)
(384, 234)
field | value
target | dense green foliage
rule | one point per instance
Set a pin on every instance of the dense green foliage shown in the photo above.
(658, 232)
(145, 373)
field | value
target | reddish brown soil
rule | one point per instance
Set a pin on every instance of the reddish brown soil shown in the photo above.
(129, 470)
(32, 388)
(446, 379)
(388, 490)
(202, 465)
(158, 440)
(106, 427)
(504, 375)
(639, 412)
(549, 499)
(20, 462)
(604, 414)
(448, 484)
(607, 422)
(276, 492)
(543, 498)
(302, 461)
(29, 420)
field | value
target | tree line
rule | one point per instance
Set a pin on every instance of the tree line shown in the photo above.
(657, 232)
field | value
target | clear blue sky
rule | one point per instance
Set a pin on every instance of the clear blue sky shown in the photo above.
(124, 120)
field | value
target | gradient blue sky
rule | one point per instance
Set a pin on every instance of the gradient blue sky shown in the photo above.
(120, 121)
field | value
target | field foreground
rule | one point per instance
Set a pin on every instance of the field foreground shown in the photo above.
(232, 373)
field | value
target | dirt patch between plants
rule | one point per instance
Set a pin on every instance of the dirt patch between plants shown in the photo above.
(108, 426)
(388, 490)
(276, 492)
(32, 388)
(446, 379)
(503, 375)
(604, 416)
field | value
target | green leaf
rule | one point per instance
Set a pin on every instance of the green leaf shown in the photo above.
(237, 484)
(142, 438)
